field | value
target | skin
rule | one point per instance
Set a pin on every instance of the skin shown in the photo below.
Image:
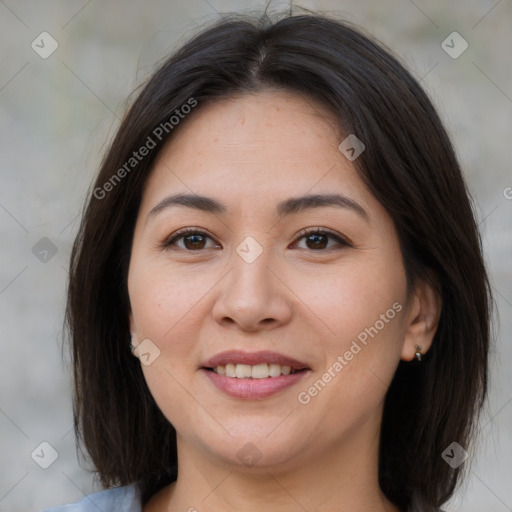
(250, 152)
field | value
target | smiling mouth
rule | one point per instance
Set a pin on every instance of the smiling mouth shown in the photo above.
(256, 371)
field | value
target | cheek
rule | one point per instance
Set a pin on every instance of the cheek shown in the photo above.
(361, 353)
(165, 308)
(361, 306)
(164, 299)
(353, 298)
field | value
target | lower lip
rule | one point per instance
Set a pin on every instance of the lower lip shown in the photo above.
(253, 388)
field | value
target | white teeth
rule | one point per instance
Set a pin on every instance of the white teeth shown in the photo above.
(257, 371)
(274, 370)
(243, 371)
(230, 370)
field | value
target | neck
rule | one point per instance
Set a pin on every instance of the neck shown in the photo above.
(344, 477)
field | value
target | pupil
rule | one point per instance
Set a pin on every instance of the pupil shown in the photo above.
(196, 240)
(316, 239)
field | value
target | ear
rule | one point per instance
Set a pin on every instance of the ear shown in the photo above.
(422, 321)
(133, 331)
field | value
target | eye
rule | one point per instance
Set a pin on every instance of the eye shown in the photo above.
(318, 239)
(193, 240)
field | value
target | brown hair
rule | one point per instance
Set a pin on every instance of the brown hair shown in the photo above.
(409, 165)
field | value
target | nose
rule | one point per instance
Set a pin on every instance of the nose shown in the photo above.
(253, 296)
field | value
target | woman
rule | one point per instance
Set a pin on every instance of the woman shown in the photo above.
(277, 295)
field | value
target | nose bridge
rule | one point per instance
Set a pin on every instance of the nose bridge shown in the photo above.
(251, 294)
(250, 279)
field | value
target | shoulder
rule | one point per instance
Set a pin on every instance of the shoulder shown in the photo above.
(117, 499)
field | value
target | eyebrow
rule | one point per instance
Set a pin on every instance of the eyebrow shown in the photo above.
(288, 207)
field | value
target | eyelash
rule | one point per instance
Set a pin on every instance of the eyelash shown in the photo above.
(183, 233)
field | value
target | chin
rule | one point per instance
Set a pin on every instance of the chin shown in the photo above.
(249, 451)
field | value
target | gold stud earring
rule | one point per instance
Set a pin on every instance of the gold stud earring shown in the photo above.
(418, 353)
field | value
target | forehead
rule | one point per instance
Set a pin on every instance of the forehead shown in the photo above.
(255, 147)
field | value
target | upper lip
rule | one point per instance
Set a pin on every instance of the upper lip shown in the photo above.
(252, 358)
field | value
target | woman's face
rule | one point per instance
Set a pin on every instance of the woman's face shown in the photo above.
(294, 278)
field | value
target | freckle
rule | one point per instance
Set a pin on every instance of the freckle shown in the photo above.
(243, 121)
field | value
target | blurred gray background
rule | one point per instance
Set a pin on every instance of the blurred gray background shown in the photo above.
(59, 110)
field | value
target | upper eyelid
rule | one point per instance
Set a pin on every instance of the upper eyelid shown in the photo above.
(182, 233)
(315, 229)
(343, 240)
